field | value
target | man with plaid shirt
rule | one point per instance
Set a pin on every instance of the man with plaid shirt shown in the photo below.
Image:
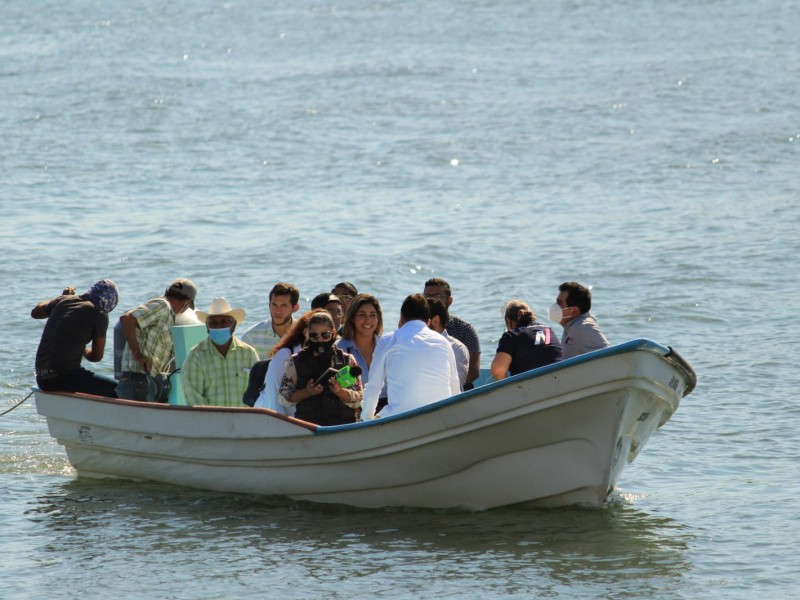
(217, 370)
(149, 348)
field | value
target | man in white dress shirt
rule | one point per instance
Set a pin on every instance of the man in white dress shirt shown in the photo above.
(417, 363)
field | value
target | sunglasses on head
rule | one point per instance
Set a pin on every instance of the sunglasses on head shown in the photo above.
(325, 335)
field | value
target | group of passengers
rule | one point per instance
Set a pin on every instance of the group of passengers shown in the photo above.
(331, 365)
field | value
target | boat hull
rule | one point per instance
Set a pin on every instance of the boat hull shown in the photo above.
(557, 436)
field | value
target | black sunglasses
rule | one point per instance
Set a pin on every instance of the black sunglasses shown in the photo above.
(325, 335)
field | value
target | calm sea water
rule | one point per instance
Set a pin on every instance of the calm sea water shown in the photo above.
(650, 150)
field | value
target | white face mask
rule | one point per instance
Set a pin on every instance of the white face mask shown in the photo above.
(554, 313)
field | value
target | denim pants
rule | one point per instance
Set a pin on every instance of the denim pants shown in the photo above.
(80, 380)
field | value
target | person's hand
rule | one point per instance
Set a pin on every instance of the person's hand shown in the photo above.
(68, 291)
(337, 389)
(312, 389)
(144, 362)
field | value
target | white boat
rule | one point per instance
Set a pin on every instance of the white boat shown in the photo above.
(554, 436)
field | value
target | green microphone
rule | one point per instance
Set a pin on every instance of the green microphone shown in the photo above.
(347, 375)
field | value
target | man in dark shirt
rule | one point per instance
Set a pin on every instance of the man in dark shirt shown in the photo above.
(72, 323)
(439, 289)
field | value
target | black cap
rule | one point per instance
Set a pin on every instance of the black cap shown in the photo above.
(323, 299)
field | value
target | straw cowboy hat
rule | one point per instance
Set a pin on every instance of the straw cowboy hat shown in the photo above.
(220, 306)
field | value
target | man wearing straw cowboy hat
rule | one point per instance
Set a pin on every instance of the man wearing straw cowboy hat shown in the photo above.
(217, 370)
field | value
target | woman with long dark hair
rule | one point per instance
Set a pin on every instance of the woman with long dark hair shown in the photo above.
(363, 327)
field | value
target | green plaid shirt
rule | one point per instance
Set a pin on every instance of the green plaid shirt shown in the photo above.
(154, 320)
(211, 379)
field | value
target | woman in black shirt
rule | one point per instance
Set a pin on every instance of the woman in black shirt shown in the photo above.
(526, 344)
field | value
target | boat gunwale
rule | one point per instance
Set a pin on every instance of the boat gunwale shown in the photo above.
(179, 407)
(641, 344)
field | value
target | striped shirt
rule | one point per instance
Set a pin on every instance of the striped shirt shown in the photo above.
(154, 321)
(262, 337)
(211, 379)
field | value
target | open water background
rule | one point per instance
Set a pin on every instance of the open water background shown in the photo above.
(648, 149)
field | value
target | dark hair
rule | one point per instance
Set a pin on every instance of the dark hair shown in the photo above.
(415, 307)
(297, 334)
(285, 289)
(178, 296)
(577, 295)
(518, 312)
(437, 308)
(438, 281)
(351, 289)
(348, 330)
(322, 316)
(170, 293)
(323, 299)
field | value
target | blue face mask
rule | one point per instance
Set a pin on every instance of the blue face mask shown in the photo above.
(220, 336)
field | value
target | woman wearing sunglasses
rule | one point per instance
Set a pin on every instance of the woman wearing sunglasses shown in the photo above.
(318, 398)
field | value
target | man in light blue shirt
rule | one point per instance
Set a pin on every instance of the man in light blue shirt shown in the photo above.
(572, 310)
(284, 301)
(416, 362)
